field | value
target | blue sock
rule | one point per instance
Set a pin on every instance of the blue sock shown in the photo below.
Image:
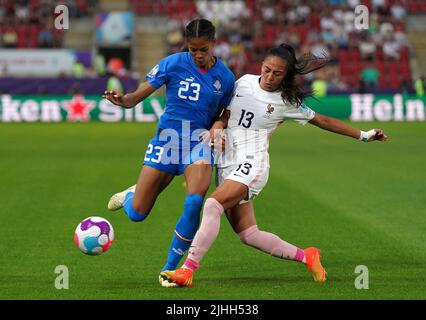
(128, 209)
(185, 230)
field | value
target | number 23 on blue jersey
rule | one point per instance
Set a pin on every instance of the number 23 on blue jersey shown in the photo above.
(189, 91)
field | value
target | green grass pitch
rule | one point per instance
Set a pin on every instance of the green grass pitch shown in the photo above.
(362, 204)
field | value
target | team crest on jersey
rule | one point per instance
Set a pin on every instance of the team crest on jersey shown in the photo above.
(153, 72)
(217, 85)
(269, 110)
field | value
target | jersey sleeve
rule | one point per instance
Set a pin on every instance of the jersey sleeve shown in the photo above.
(302, 114)
(158, 75)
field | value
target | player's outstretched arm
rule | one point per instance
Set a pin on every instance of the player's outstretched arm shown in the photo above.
(129, 100)
(337, 126)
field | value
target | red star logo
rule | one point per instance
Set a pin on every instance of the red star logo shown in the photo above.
(78, 109)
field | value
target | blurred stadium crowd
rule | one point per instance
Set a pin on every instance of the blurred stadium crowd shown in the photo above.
(29, 23)
(378, 57)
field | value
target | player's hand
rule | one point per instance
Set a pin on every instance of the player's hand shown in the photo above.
(115, 97)
(215, 138)
(379, 136)
(219, 144)
(209, 136)
(205, 136)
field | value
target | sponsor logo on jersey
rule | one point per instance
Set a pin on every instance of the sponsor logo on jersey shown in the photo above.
(153, 72)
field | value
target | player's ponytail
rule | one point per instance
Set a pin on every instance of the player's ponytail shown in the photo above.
(292, 91)
(200, 28)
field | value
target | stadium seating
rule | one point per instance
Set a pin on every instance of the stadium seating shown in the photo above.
(266, 23)
(300, 31)
(32, 24)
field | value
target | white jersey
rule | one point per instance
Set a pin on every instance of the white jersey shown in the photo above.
(255, 114)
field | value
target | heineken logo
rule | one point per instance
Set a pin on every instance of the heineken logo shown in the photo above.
(356, 107)
(75, 109)
(78, 109)
(367, 107)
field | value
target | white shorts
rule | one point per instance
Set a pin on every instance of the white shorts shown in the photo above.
(249, 173)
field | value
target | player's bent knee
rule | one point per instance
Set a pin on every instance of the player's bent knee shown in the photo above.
(212, 205)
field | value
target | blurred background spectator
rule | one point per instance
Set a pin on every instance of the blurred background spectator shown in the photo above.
(370, 75)
(247, 28)
(378, 58)
(421, 86)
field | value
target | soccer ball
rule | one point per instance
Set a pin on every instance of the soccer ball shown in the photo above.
(94, 235)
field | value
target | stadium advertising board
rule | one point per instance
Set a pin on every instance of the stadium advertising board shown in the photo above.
(369, 107)
(75, 108)
(93, 108)
(39, 62)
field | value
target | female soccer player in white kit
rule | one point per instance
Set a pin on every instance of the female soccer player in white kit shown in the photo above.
(259, 106)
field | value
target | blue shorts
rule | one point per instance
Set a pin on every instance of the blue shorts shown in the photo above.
(175, 158)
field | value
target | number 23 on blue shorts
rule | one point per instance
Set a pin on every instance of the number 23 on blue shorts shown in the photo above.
(164, 156)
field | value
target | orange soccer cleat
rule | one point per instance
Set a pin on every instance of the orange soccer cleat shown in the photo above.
(313, 263)
(181, 276)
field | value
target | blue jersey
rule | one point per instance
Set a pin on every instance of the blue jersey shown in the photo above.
(190, 94)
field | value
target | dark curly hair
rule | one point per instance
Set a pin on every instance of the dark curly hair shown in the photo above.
(292, 92)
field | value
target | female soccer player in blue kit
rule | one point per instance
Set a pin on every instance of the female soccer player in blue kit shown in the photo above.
(198, 87)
